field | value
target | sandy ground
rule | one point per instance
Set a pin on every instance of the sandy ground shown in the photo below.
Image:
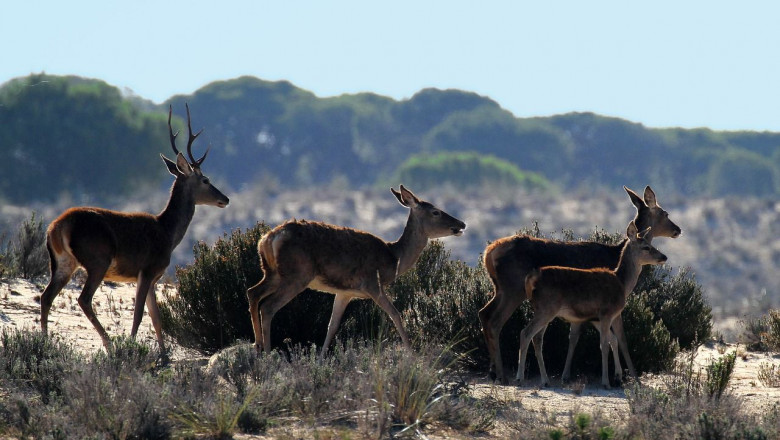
(19, 308)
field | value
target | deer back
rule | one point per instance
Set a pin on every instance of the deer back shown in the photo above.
(513, 257)
(130, 241)
(575, 294)
(340, 257)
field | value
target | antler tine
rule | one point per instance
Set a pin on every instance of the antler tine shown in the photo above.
(192, 139)
(171, 133)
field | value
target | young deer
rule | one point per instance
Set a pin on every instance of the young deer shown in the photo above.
(580, 295)
(120, 246)
(346, 262)
(508, 260)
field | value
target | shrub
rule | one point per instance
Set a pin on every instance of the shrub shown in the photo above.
(5, 257)
(35, 361)
(28, 256)
(762, 333)
(769, 375)
(210, 310)
(644, 329)
(678, 300)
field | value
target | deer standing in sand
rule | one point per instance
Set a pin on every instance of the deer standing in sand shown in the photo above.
(508, 260)
(581, 295)
(343, 261)
(130, 247)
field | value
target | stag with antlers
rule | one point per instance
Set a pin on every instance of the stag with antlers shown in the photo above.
(129, 247)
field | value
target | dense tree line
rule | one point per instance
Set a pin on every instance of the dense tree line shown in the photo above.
(81, 138)
(71, 137)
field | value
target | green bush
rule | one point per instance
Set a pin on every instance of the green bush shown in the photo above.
(210, 309)
(28, 256)
(678, 300)
(762, 333)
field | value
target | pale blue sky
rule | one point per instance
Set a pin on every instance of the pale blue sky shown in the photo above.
(662, 63)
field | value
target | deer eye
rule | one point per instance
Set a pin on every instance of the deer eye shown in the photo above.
(436, 213)
(206, 181)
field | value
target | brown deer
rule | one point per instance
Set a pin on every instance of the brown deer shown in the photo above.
(345, 262)
(130, 247)
(581, 295)
(508, 260)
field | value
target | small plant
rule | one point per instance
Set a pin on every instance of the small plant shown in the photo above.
(221, 423)
(29, 258)
(769, 374)
(719, 374)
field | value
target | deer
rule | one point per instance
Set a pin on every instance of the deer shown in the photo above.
(508, 261)
(346, 262)
(581, 295)
(128, 247)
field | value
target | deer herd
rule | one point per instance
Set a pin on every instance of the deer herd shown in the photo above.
(577, 281)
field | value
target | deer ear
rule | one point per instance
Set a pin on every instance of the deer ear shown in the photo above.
(635, 199)
(644, 233)
(182, 164)
(406, 197)
(650, 197)
(171, 166)
(631, 231)
(397, 196)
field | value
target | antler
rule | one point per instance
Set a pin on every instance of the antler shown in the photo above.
(171, 133)
(195, 163)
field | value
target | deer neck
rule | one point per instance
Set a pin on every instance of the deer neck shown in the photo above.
(409, 247)
(628, 270)
(178, 213)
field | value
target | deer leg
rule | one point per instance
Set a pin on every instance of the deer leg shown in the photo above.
(254, 295)
(145, 283)
(620, 335)
(62, 271)
(604, 338)
(538, 340)
(535, 326)
(493, 317)
(613, 343)
(383, 302)
(574, 336)
(272, 303)
(94, 278)
(339, 306)
(154, 314)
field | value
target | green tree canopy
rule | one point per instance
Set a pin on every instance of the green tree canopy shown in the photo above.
(465, 168)
(75, 137)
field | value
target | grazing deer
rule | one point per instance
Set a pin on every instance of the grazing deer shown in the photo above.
(580, 295)
(508, 260)
(345, 262)
(121, 246)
